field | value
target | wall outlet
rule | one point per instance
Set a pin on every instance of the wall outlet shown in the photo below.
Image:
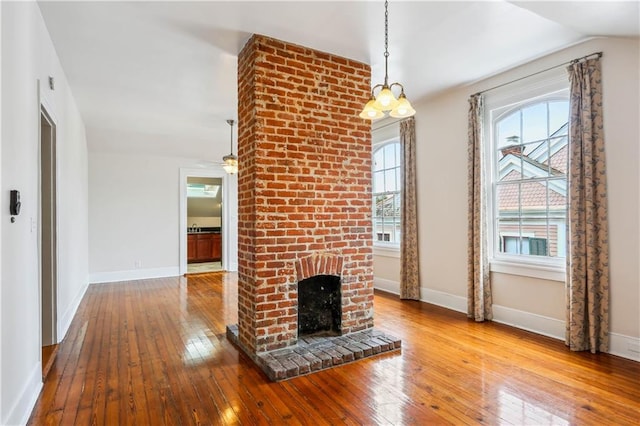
(137, 264)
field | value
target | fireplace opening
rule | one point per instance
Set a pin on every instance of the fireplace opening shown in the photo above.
(319, 306)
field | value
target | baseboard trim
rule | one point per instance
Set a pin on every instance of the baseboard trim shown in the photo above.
(445, 300)
(22, 408)
(135, 274)
(620, 345)
(539, 324)
(67, 317)
(624, 346)
(386, 285)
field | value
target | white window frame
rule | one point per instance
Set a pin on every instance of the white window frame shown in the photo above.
(552, 85)
(385, 132)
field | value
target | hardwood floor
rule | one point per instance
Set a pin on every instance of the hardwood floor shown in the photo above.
(48, 357)
(155, 352)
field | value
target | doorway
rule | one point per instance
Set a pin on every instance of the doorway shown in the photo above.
(229, 215)
(48, 241)
(204, 224)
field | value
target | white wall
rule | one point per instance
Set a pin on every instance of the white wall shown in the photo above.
(441, 131)
(134, 206)
(28, 56)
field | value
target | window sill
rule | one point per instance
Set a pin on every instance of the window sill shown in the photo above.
(532, 270)
(386, 251)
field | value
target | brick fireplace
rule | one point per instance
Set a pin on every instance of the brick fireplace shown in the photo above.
(304, 194)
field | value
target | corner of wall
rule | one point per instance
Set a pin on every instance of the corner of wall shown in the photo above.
(65, 320)
(389, 286)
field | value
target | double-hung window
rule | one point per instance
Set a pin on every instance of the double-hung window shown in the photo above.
(526, 137)
(386, 193)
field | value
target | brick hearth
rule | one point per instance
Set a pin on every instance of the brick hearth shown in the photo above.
(304, 193)
(313, 354)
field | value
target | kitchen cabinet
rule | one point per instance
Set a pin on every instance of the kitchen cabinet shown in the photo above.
(204, 247)
(192, 254)
(216, 247)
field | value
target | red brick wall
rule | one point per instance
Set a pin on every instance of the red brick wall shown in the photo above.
(304, 185)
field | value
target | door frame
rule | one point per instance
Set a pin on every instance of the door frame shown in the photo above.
(48, 288)
(229, 215)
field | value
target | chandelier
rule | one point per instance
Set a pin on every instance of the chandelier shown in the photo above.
(230, 161)
(385, 102)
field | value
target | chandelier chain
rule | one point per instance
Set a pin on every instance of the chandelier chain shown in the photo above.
(386, 42)
(385, 101)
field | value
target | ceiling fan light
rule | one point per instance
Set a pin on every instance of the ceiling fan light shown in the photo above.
(230, 161)
(403, 109)
(230, 164)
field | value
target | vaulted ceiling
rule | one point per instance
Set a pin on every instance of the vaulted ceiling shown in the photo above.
(160, 77)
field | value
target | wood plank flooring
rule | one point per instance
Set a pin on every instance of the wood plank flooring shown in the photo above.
(48, 356)
(154, 352)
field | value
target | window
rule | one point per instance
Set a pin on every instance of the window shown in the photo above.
(528, 157)
(386, 193)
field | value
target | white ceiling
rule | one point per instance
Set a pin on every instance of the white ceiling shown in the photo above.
(160, 77)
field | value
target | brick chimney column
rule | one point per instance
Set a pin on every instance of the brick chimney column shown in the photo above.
(304, 185)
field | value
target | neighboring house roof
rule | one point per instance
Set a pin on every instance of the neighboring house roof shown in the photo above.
(543, 160)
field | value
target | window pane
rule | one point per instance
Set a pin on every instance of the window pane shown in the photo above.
(507, 127)
(536, 160)
(557, 237)
(533, 199)
(559, 151)
(390, 159)
(508, 199)
(378, 182)
(390, 180)
(558, 117)
(378, 159)
(534, 122)
(558, 198)
(509, 167)
(378, 201)
(397, 205)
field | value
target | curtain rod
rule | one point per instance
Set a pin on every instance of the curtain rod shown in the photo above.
(599, 54)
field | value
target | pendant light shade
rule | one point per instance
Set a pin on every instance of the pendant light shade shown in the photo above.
(230, 161)
(370, 111)
(385, 102)
(403, 109)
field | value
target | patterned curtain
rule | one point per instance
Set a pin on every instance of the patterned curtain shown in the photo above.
(587, 299)
(478, 282)
(409, 274)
